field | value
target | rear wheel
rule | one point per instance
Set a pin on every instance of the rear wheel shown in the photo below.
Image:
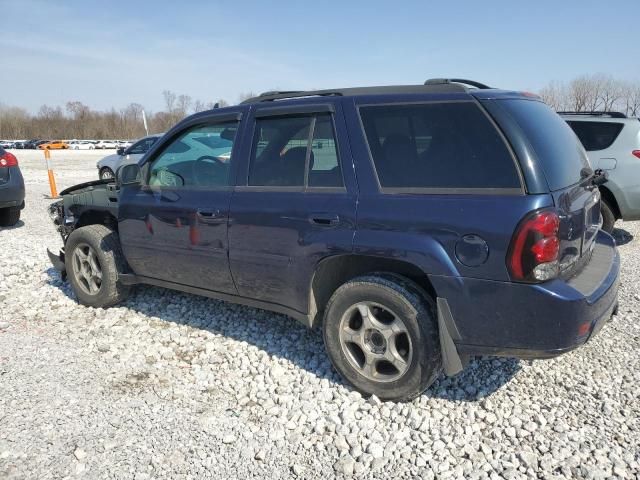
(381, 335)
(93, 259)
(9, 216)
(608, 217)
(106, 174)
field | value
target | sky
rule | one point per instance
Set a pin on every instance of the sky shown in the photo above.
(112, 53)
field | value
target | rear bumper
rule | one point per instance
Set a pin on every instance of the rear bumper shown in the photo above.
(534, 321)
(12, 191)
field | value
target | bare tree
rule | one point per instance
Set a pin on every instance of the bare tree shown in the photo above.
(631, 99)
(555, 95)
(169, 101)
(182, 106)
(199, 106)
(597, 92)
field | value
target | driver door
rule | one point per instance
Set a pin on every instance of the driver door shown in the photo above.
(173, 227)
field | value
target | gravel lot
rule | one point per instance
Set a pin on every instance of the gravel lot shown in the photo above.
(171, 385)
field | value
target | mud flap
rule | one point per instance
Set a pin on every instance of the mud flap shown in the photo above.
(451, 361)
(58, 262)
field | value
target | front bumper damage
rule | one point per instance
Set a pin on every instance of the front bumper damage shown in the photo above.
(58, 262)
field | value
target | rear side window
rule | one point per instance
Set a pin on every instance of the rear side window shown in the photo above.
(559, 152)
(437, 146)
(596, 135)
(295, 151)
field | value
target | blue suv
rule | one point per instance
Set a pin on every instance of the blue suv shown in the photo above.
(416, 225)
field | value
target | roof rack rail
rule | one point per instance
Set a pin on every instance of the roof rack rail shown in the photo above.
(440, 81)
(279, 95)
(596, 114)
(436, 85)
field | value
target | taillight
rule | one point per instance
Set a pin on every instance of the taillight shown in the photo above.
(636, 153)
(8, 160)
(534, 250)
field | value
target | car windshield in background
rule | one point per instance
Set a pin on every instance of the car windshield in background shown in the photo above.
(557, 149)
(596, 135)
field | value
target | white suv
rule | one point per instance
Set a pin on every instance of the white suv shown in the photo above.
(612, 141)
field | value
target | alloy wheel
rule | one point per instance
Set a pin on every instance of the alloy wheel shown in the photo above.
(375, 341)
(87, 269)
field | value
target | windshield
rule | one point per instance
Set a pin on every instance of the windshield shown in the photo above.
(557, 148)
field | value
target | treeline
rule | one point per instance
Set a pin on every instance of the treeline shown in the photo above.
(591, 93)
(77, 120)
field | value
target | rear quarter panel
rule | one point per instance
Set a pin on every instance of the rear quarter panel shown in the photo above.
(424, 228)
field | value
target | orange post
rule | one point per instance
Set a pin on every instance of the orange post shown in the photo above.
(52, 180)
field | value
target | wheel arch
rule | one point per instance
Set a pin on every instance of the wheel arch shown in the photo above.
(331, 272)
(99, 217)
(608, 196)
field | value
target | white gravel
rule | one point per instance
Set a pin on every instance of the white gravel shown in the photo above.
(171, 385)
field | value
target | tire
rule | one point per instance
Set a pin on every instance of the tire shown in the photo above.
(106, 173)
(415, 350)
(100, 246)
(608, 217)
(9, 216)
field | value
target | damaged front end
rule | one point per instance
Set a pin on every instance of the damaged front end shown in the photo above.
(83, 204)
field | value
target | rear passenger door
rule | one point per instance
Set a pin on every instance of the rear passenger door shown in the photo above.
(294, 203)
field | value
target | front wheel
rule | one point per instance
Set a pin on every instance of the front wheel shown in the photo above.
(106, 174)
(381, 334)
(93, 259)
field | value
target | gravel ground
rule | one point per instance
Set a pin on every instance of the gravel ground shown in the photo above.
(171, 385)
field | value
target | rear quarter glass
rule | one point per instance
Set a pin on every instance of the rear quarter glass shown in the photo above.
(557, 148)
(596, 136)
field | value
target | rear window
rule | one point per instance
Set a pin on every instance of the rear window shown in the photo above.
(596, 135)
(557, 149)
(438, 146)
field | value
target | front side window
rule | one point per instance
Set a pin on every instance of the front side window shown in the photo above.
(437, 145)
(198, 158)
(295, 151)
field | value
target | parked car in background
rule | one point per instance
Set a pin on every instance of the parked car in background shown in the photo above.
(53, 145)
(612, 142)
(20, 145)
(81, 145)
(6, 143)
(108, 166)
(415, 225)
(124, 143)
(11, 189)
(105, 144)
(33, 144)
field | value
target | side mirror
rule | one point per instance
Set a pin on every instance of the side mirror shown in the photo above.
(120, 151)
(129, 174)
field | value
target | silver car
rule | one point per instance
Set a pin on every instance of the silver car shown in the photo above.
(612, 142)
(123, 156)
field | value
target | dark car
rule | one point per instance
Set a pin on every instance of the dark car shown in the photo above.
(11, 189)
(417, 225)
(34, 144)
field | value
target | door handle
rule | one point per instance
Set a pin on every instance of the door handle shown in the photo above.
(324, 219)
(211, 216)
